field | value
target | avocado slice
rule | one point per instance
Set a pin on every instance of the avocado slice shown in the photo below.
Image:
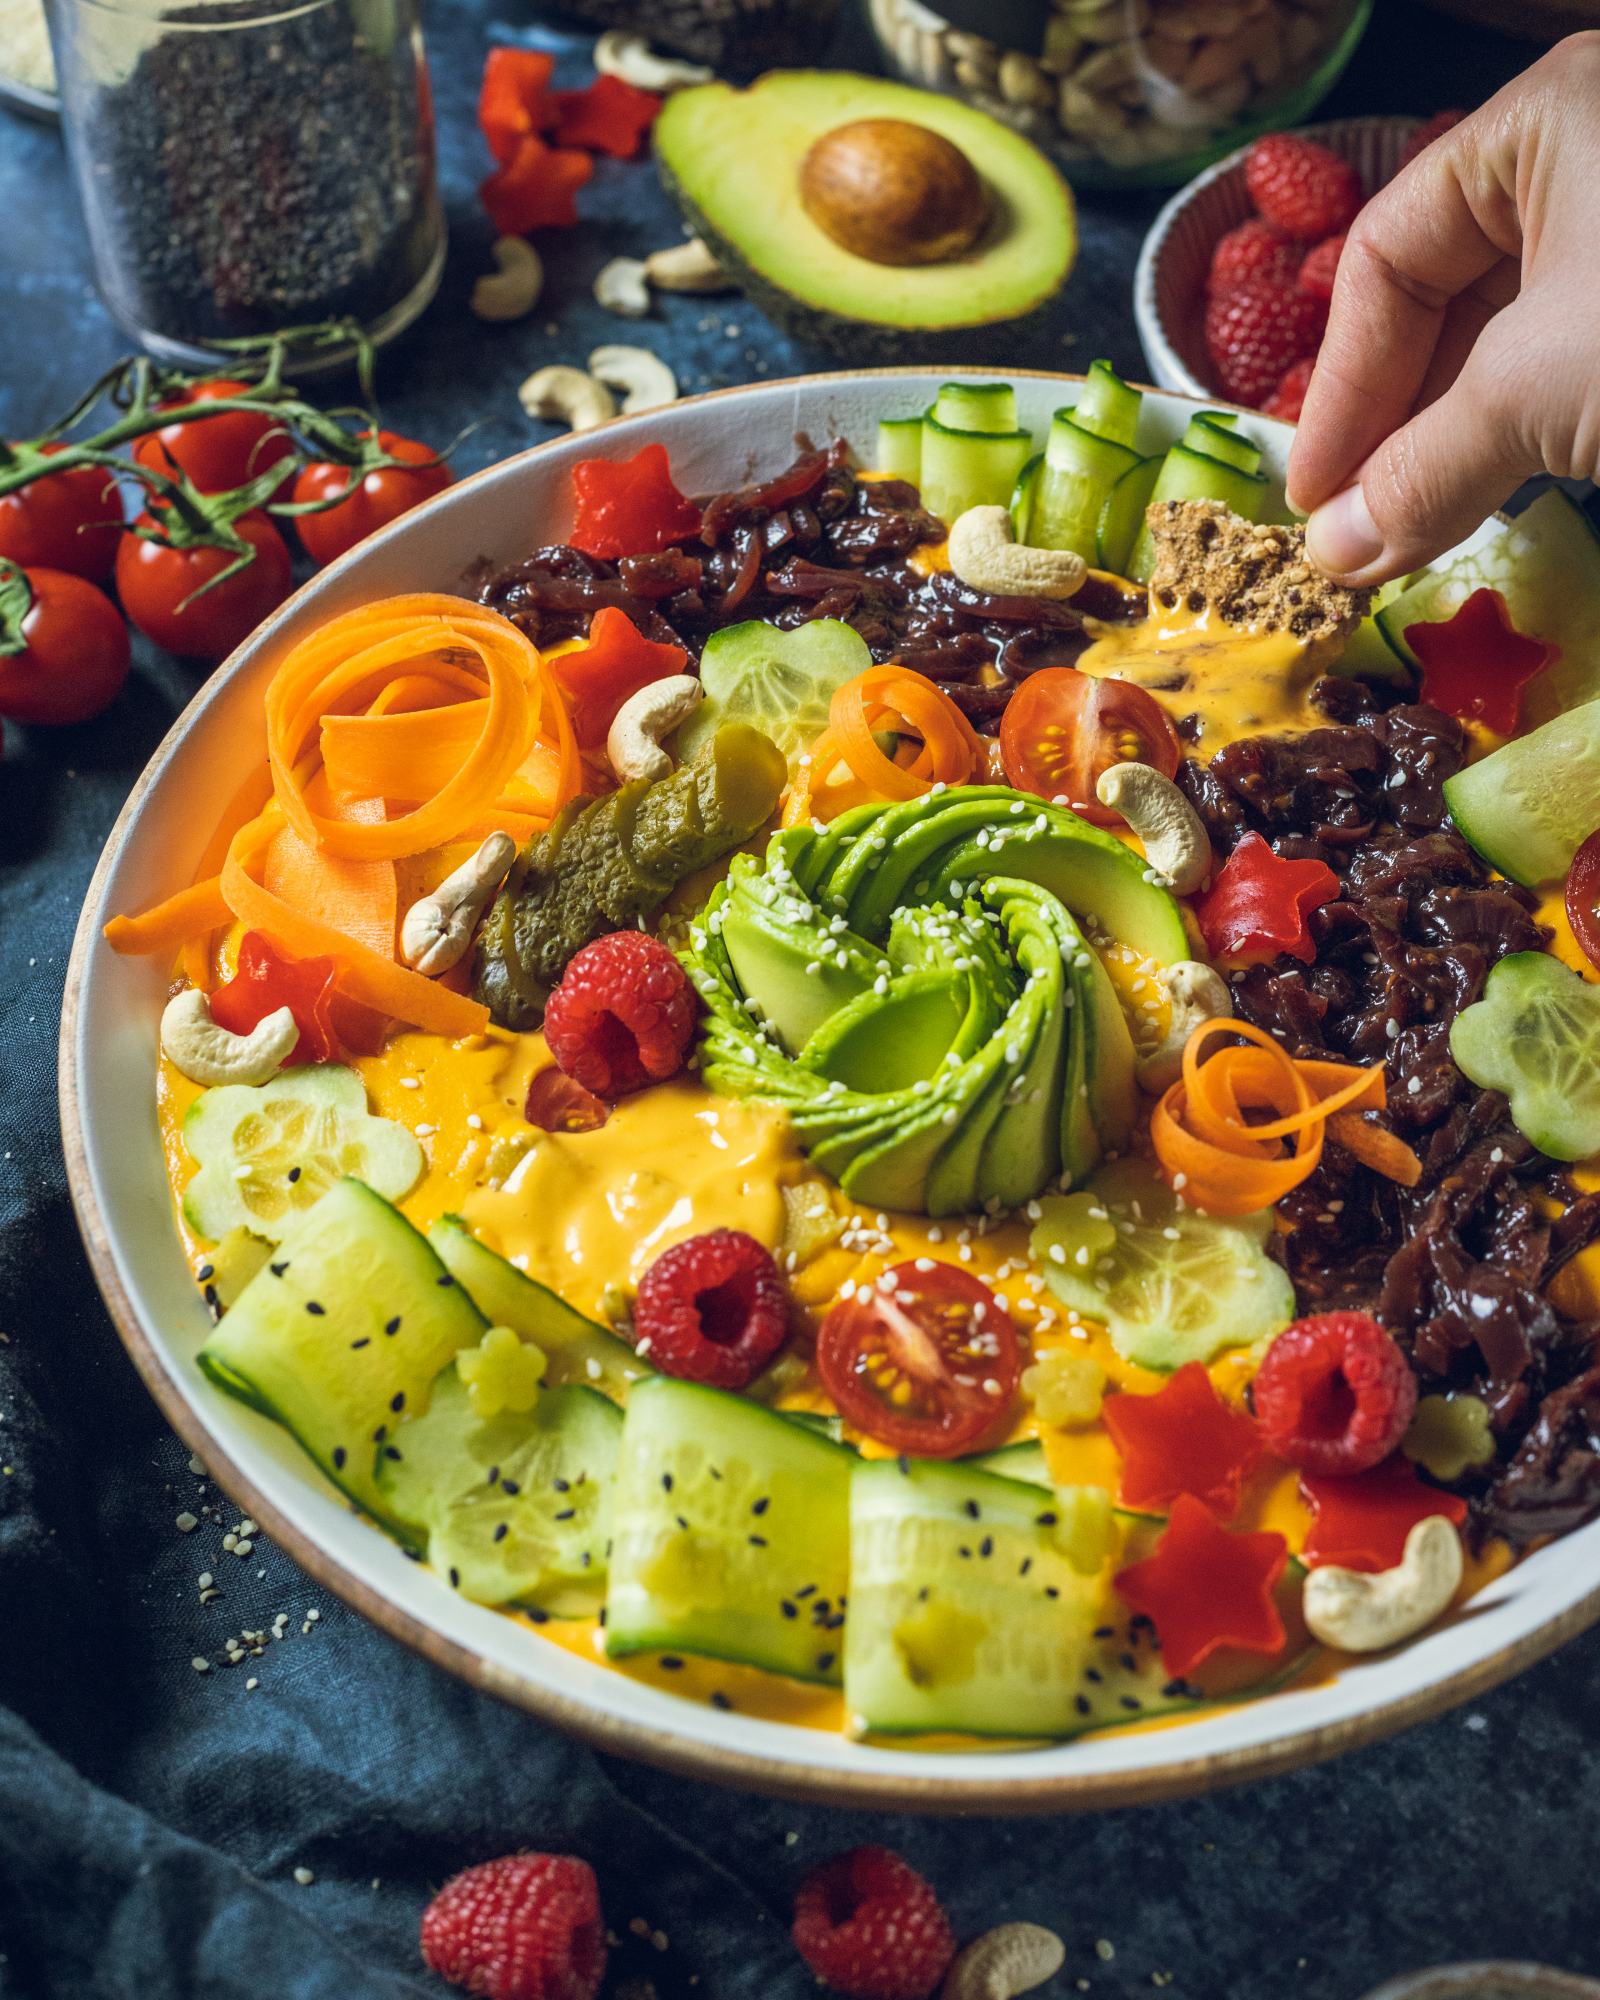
(733, 161)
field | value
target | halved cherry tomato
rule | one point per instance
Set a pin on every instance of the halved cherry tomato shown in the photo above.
(69, 520)
(925, 1361)
(75, 651)
(380, 496)
(157, 586)
(217, 453)
(1583, 898)
(1063, 728)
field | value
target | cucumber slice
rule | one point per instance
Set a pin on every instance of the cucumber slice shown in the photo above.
(1193, 475)
(1174, 1285)
(343, 1334)
(1122, 515)
(1222, 442)
(1369, 653)
(1074, 483)
(224, 1271)
(730, 1534)
(1546, 564)
(1535, 1035)
(777, 681)
(575, 1349)
(969, 468)
(976, 406)
(1530, 805)
(964, 1612)
(514, 1509)
(899, 450)
(268, 1153)
(1022, 498)
(1109, 407)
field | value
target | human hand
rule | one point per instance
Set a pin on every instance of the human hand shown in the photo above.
(1463, 346)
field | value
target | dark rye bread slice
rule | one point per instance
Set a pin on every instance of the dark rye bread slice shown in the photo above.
(1252, 574)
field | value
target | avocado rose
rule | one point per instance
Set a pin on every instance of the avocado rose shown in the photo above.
(915, 985)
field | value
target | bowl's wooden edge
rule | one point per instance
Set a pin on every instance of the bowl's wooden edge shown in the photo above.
(773, 1776)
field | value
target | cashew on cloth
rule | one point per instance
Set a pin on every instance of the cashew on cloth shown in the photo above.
(921, 1000)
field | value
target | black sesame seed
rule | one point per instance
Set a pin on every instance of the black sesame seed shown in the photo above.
(1129, 1662)
(1174, 1689)
(206, 1272)
(666, 1482)
(1105, 1631)
(584, 1559)
(510, 1486)
(392, 1451)
(682, 1523)
(806, 1590)
(720, 1700)
(494, 1475)
(338, 1458)
(1051, 1591)
(986, 1546)
(380, 1434)
(788, 1608)
(671, 1662)
(1093, 1674)
(833, 1623)
(314, 1309)
(566, 1514)
(444, 1279)
(294, 1175)
(355, 1345)
(278, 1270)
(562, 1485)
(397, 1401)
(1131, 1702)
(602, 1617)
(825, 1662)
(904, 1464)
(963, 1550)
(972, 1508)
(760, 1506)
(1046, 1520)
(923, 1594)
(537, 1616)
(757, 1541)
(1025, 1565)
(1082, 1703)
(392, 1326)
(213, 1303)
(502, 1530)
(455, 1578)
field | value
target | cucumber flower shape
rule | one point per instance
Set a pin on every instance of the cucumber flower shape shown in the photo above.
(1535, 1035)
(915, 985)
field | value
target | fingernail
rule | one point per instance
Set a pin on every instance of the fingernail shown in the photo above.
(1341, 536)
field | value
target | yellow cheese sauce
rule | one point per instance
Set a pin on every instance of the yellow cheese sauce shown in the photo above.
(1232, 683)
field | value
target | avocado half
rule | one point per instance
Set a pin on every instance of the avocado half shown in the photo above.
(732, 160)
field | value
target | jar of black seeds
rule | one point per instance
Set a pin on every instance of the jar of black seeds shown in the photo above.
(252, 166)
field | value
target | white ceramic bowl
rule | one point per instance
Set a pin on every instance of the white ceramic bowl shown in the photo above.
(1170, 281)
(119, 1185)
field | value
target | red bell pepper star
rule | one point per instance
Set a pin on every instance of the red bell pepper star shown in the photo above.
(1258, 905)
(264, 981)
(1476, 664)
(534, 189)
(1361, 1521)
(514, 101)
(629, 506)
(1207, 1587)
(1183, 1439)
(616, 662)
(609, 117)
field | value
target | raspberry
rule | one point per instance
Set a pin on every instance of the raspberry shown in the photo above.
(869, 1926)
(1288, 399)
(1302, 187)
(1334, 1394)
(1257, 333)
(623, 1015)
(1425, 134)
(1317, 272)
(1256, 249)
(712, 1309)
(526, 1927)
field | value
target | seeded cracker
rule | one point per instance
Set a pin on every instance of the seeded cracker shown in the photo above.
(1248, 573)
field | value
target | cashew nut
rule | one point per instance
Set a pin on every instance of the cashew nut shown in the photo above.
(645, 380)
(986, 555)
(1011, 1959)
(631, 58)
(686, 267)
(513, 288)
(438, 928)
(1176, 849)
(634, 740)
(204, 1053)
(621, 287)
(1198, 993)
(1363, 1614)
(568, 396)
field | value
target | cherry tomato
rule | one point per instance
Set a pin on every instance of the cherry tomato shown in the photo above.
(76, 656)
(1062, 728)
(1583, 898)
(217, 453)
(926, 1363)
(382, 496)
(69, 520)
(157, 586)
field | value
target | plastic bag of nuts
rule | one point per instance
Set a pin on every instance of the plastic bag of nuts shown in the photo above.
(1128, 91)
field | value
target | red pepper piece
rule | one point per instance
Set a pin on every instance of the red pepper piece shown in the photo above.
(1207, 1587)
(609, 117)
(264, 982)
(1476, 664)
(1583, 898)
(616, 661)
(1258, 905)
(629, 506)
(514, 101)
(1183, 1439)
(1361, 1520)
(558, 1103)
(534, 189)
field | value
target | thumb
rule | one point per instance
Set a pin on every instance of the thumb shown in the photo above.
(1428, 485)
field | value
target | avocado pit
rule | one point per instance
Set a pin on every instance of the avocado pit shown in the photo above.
(894, 192)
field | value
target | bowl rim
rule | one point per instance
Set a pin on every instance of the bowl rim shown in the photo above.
(609, 1732)
(1159, 351)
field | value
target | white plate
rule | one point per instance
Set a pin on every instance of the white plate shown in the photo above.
(119, 1185)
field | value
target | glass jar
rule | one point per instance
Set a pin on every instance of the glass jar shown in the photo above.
(1128, 92)
(250, 166)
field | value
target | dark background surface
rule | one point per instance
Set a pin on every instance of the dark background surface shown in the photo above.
(152, 1818)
